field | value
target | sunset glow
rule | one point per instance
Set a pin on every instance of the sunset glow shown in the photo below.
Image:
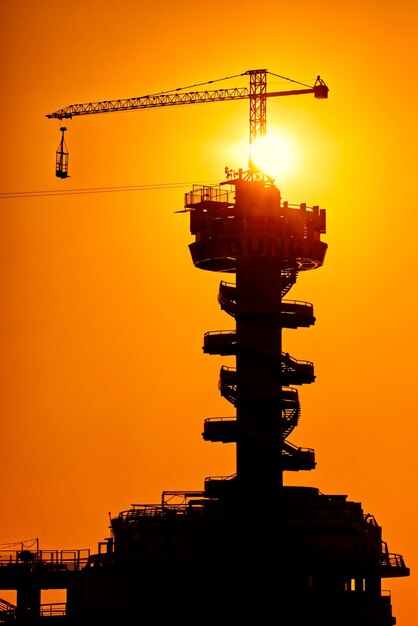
(104, 384)
(275, 155)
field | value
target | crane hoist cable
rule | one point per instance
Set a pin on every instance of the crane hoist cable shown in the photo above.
(256, 93)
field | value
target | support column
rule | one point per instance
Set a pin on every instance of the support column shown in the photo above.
(259, 340)
(28, 602)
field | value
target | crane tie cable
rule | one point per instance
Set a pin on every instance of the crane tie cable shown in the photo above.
(207, 82)
(217, 80)
(289, 79)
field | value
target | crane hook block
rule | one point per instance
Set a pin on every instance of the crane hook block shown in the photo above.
(61, 162)
(320, 89)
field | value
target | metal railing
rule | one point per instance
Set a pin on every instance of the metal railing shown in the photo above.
(141, 510)
(203, 193)
(221, 419)
(6, 608)
(390, 559)
(210, 333)
(64, 560)
(212, 479)
(53, 609)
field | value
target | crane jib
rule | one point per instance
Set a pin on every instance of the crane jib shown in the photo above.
(144, 102)
(196, 97)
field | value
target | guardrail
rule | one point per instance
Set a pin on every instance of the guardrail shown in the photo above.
(210, 333)
(53, 609)
(206, 193)
(393, 560)
(141, 510)
(63, 560)
(221, 419)
(6, 608)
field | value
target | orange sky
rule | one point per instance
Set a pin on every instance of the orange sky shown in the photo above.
(104, 385)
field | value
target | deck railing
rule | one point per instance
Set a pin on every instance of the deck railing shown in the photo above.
(64, 560)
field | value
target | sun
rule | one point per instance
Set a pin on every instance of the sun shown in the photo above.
(275, 154)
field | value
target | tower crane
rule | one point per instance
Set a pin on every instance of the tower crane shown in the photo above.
(256, 93)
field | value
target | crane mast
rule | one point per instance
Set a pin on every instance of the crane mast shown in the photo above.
(258, 89)
(256, 93)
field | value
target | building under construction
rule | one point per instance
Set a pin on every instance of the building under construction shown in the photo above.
(245, 547)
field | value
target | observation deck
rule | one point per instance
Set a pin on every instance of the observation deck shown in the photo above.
(247, 219)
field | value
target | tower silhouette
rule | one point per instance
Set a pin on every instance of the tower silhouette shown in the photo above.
(248, 231)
